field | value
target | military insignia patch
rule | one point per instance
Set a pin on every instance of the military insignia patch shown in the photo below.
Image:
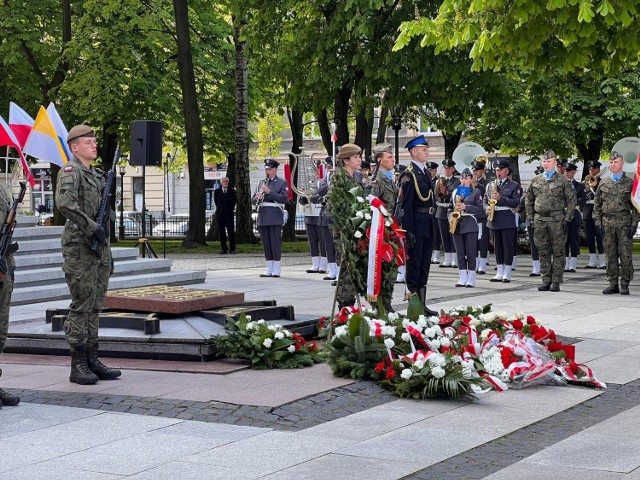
(68, 169)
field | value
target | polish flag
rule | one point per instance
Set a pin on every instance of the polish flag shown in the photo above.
(20, 122)
(635, 191)
(9, 139)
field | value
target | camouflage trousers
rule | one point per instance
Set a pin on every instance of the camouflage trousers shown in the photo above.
(618, 245)
(346, 290)
(550, 240)
(87, 278)
(5, 300)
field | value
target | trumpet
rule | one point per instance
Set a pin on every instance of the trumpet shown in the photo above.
(455, 216)
(592, 180)
(259, 193)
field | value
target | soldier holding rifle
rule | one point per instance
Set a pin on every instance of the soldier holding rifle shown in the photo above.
(79, 194)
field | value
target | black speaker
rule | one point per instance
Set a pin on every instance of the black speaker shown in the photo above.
(146, 143)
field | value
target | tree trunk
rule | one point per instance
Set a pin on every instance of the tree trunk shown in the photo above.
(325, 130)
(244, 223)
(451, 141)
(382, 126)
(193, 127)
(363, 132)
(341, 103)
(591, 150)
(515, 165)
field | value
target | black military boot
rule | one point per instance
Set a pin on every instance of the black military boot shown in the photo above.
(555, 287)
(422, 295)
(80, 372)
(7, 399)
(545, 287)
(96, 366)
(611, 289)
(624, 289)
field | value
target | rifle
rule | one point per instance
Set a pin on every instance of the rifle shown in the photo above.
(6, 232)
(105, 204)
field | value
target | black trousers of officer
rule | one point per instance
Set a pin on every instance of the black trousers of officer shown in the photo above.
(329, 243)
(271, 237)
(466, 250)
(316, 243)
(593, 237)
(483, 242)
(447, 238)
(225, 225)
(572, 245)
(504, 245)
(535, 255)
(419, 263)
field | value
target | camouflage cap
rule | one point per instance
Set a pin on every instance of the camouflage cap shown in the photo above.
(80, 131)
(382, 147)
(615, 155)
(549, 154)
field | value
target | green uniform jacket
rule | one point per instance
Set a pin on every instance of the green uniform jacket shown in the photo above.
(612, 206)
(552, 200)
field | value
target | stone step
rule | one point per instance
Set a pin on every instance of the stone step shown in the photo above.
(58, 291)
(37, 233)
(52, 275)
(34, 260)
(39, 245)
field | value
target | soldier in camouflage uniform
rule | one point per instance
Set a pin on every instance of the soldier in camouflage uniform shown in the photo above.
(78, 196)
(550, 203)
(349, 159)
(616, 217)
(7, 267)
(383, 187)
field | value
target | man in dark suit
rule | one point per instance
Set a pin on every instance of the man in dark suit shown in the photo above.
(418, 207)
(225, 200)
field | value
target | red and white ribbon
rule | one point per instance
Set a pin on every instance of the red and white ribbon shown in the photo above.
(376, 237)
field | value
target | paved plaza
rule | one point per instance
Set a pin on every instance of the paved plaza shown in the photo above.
(221, 420)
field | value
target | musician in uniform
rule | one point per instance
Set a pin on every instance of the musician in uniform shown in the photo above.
(506, 194)
(572, 245)
(7, 267)
(480, 180)
(444, 187)
(345, 178)
(324, 222)
(432, 167)
(467, 202)
(592, 234)
(383, 187)
(418, 219)
(78, 197)
(550, 204)
(616, 216)
(270, 197)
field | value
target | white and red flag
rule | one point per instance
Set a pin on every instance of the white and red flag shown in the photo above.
(20, 123)
(635, 191)
(9, 139)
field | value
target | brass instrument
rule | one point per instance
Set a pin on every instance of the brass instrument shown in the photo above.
(260, 194)
(592, 180)
(492, 201)
(304, 174)
(455, 216)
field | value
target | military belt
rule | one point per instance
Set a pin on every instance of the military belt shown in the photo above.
(443, 204)
(550, 213)
(272, 204)
(429, 210)
(615, 214)
(590, 202)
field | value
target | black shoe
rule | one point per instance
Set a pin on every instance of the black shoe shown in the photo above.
(555, 287)
(567, 270)
(435, 262)
(506, 280)
(611, 289)
(572, 270)
(545, 287)
(329, 278)
(275, 276)
(430, 313)
(494, 279)
(321, 271)
(469, 286)
(481, 272)
(624, 289)
(534, 274)
(96, 366)
(312, 271)
(7, 399)
(265, 275)
(334, 283)
(223, 252)
(443, 266)
(232, 252)
(459, 284)
(590, 266)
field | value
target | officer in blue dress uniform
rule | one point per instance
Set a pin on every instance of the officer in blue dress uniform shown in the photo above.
(270, 198)
(507, 195)
(417, 219)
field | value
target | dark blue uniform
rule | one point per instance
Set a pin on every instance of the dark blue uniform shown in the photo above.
(418, 221)
(572, 245)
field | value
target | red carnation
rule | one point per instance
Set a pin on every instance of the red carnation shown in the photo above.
(517, 324)
(555, 346)
(530, 320)
(314, 346)
(573, 366)
(379, 367)
(391, 373)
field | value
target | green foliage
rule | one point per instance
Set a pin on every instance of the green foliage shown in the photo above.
(266, 346)
(355, 354)
(268, 138)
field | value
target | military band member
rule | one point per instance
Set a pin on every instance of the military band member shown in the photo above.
(506, 194)
(550, 203)
(561, 165)
(311, 210)
(614, 213)
(480, 181)
(432, 167)
(325, 221)
(270, 197)
(7, 267)
(417, 219)
(78, 197)
(384, 187)
(592, 234)
(467, 201)
(445, 185)
(572, 245)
